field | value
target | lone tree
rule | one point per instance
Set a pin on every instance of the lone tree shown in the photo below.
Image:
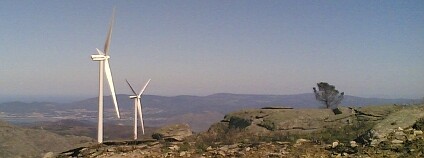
(328, 95)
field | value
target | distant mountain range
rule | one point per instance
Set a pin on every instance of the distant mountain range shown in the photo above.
(199, 111)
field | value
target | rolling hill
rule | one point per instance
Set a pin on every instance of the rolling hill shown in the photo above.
(199, 111)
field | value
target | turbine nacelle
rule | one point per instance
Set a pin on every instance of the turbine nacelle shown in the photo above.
(99, 57)
(134, 96)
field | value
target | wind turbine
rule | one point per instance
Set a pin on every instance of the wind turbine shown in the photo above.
(103, 58)
(137, 107)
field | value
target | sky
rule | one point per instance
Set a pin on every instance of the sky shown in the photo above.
(364, 48)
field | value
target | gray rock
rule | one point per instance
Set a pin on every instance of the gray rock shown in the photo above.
(176, 132)
(247, 149)
(48, 155)
(353, 144)
(174, 147)
(300, 142)
(335, 144)
(382, 129)
(183, 153)
(418, 132)
(396, 141)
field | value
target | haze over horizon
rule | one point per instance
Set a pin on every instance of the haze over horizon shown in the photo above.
(364, 48)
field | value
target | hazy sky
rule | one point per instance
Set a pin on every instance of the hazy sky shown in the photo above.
(364, 48)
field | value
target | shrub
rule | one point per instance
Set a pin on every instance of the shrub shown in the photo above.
(270, 125)
(157, 136)
(343, 134)
(237, 122)
(185, 146)
(419, 125)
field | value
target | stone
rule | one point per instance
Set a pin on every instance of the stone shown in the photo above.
(353, 144)
(418, 132)
(48, 155)
(397, 141)
(399, 133)
(222, 153)
(400, 136)
(248, 149)
(337, 111)
(111, 150)
(176, 132)
(209, 148)
(182, 153)
(174, 147)
(282, 143)
(335, 144)
(411, 137)
(301, 140)
(233, 146)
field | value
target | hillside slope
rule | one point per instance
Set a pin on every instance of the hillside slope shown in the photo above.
(23, 142)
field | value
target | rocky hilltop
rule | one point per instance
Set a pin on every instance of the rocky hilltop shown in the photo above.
(372, 131)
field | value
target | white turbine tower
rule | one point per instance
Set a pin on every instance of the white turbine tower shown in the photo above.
(137, 107)
(103, 58)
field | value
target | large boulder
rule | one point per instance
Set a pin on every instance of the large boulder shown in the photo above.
(175, 132)
(260, 121)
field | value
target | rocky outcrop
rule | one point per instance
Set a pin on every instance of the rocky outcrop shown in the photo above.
(396, 128)
(176, 132)
(272, 119)
(158, 149)
(375, 113)
(286, 119)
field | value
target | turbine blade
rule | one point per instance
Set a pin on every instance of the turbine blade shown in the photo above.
(141, 114)
(131, 87)
(109, 34)
(100, 52)
(142, 90)
(111, 87)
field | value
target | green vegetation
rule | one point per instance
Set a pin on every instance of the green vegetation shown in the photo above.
(157, 136)
(184, 147)
(238, 122)
(343, 134)
(328, 95)
(419, 125)
(268, 124)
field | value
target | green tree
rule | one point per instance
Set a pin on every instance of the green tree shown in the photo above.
(328, 95)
